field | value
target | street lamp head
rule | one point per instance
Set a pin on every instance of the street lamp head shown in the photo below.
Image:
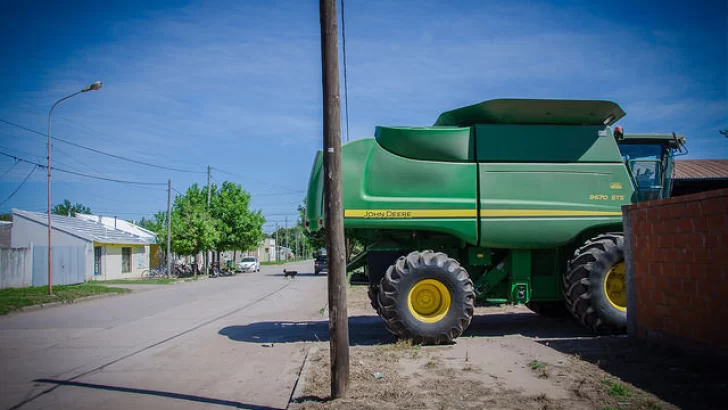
(94, 86)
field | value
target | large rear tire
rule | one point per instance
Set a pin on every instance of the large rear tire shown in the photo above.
(594, 284)
(427, 297)
(373, 294)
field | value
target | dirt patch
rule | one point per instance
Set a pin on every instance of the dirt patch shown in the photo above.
(510, 359)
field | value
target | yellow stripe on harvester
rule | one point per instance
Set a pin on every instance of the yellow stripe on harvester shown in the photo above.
(500, 213)
(469, 213)
(410, 213)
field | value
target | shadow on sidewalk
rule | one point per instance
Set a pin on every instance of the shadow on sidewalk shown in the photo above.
(677, 378)
(526, 324)
(363, 331)
(170, 395)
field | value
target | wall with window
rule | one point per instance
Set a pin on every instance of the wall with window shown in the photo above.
(123, 261)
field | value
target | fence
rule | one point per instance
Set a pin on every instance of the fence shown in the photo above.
(16, 266)
(23, 267)
(69, 265)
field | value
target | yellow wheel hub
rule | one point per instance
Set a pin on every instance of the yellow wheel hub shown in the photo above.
(614, 287)
(429, 300)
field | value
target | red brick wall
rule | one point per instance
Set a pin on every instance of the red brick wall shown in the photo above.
(679, 265)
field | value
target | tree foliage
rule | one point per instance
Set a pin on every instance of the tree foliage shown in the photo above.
(66, 209)
(227, 225)
(238, 227)
(193, 229)
(156, 224)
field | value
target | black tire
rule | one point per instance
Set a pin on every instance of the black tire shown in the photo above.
(549, 309)
(397, 283)
(584, 284)
(373, 294)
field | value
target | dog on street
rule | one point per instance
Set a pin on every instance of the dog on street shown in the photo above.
(291, 273)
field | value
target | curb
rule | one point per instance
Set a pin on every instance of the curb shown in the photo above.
(302, 376)
(70, 302)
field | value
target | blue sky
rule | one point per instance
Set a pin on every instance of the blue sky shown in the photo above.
(237, 85)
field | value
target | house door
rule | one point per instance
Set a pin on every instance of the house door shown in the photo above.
(97, 261)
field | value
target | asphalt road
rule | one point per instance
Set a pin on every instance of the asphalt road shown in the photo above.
(219, 343)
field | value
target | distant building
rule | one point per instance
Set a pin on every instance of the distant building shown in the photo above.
(698, 175)
(82, 249)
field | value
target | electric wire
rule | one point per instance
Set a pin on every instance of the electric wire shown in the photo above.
(101, 152)
(10, 169)
(20, 186)
(83, 174)
(346, 88)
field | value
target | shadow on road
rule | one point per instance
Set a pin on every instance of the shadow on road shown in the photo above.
(680, 379)
(281, 274)
(178, 396)
(363, 331)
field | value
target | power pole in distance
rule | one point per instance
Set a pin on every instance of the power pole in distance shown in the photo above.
(338, 324)
(169, 227)
(209, 185)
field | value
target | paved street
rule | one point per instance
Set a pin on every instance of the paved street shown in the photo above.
(211, 344)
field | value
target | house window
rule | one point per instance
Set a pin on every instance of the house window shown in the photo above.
(125, 260)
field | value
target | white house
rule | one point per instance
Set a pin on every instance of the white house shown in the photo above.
(96, 249)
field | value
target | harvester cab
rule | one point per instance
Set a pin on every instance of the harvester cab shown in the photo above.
(508, 201)
(649, 161)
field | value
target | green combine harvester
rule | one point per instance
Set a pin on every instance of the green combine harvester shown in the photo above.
(507, 201)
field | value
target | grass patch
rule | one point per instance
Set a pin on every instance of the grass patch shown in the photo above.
(160, 281)
(16, 298)
(535, 365)
(616, 389)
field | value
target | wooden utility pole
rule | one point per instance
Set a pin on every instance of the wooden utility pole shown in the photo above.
(209, 185)
(169, 227)
(338, 316)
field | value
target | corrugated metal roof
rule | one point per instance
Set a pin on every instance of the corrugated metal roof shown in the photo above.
(701, 169)
(91, 231)
(120, 224)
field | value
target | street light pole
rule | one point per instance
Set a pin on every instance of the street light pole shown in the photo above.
(94, 86)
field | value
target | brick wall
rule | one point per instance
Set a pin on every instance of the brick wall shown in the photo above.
(677, 271)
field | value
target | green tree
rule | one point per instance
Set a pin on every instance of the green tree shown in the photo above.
(317, 240)
(193, 229)
(66, 209)
(239, 228)
(314, 241)
(157, 224)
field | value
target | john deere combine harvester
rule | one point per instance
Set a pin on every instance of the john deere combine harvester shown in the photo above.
(506, 201)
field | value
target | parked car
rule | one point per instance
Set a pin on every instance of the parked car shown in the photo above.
(320, 264)
(249, 264)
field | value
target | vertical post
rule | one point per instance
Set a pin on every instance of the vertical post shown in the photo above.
(169, 227)
(288, 240)
(338, 317)
(209, 187)
(50, 249)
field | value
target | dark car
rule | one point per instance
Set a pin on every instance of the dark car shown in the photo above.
(320, 264)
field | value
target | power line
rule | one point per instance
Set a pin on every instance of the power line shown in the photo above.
(101, 152)
(20, 186)
(82, 174)
(10, 169)
(346, 88)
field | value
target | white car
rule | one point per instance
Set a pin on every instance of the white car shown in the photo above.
(249, 264)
